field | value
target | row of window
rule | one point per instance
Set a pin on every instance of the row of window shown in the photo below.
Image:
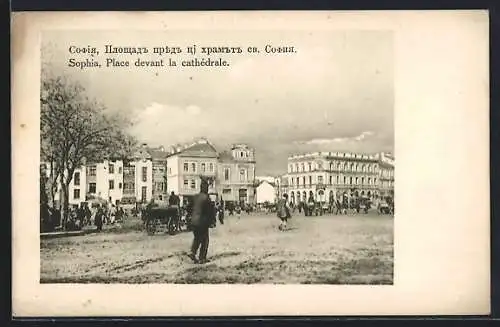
(92, 190)
(158, 169)
(190, 183)
(346, 180)
(193, 167)
(387, 173)
(159, 186)
(304, 195)
(341, 166)
(91, 171)
(241, 154)
(93, 187)
(243, 176)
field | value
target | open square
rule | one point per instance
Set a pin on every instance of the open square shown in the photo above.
(329, 249)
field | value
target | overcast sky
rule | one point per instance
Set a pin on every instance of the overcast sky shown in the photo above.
(335, 94)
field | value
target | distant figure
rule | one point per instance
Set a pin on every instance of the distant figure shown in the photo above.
(338, 207)
(202, 218)
(112, 214)
(88, 215)
(174, 202)
(310, 205)
(221, 211)
(238, 211)
(283, 212)
(99, 217)
(230, 208)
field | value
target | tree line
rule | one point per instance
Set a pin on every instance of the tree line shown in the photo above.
(74, 130)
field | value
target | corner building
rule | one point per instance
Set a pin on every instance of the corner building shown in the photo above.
(187, 164)
(236, 174)
(328, 175)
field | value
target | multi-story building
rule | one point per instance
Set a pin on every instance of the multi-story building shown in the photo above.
(282, 185)
(129, 192)
(236, 174)
(386, 175)
(143, 174)
(115, 180)
(105, 180)
(159, 166)
(325, 175)
(185, 166)
(77, 186)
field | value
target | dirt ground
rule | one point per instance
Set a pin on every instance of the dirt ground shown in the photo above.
(315, 250)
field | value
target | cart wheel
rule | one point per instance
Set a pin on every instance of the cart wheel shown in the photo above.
(151, 227)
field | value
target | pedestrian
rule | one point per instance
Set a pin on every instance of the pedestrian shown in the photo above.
(338, 207)
(221, 212)
(203, 216)
(174, 202)
(283, 212)
(99, 216)
(112, 215)
(238, 211)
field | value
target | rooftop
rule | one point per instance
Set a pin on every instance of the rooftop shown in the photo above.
(199, 148)
(226, 156)
(350, 155)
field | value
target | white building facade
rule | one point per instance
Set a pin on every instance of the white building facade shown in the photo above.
(143, 174)
(77, 188)
(105, 180)
(265, 192)
(236, 174)
(185, 166)
(328, 175)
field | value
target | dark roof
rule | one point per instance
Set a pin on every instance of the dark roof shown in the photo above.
(226, 156)
(199, 150)
(158, 154)
(141, 153)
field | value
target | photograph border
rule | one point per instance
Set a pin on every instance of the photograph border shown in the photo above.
(396, 151)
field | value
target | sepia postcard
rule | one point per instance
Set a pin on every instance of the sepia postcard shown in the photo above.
(250, 163)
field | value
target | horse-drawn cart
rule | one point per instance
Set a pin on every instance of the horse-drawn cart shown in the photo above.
(162, 216)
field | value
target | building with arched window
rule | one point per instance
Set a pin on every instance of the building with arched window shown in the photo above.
(330, 174)
(236, 174)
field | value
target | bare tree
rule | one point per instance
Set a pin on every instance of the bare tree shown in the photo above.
(75, 130)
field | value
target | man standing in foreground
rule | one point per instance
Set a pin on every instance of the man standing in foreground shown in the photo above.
(203, 217)
(283, 212)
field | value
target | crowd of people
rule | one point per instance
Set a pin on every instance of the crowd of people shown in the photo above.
(200, 213)
(82, 215)
(345, 205)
